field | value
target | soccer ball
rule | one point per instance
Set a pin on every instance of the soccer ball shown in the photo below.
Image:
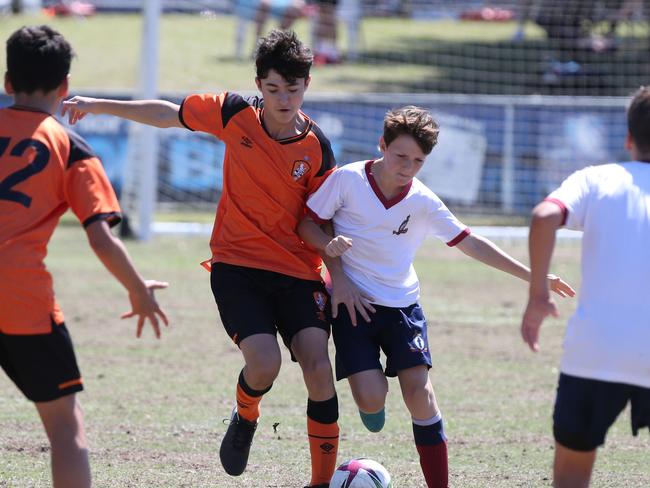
(361, 473)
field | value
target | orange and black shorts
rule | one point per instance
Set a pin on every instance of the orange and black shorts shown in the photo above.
(256, 301)
(43, 366)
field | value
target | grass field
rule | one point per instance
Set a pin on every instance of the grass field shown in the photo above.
(154, 409)
(197, 53)
(396, 55)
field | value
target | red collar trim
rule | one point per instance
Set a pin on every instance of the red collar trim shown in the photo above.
(375, 187)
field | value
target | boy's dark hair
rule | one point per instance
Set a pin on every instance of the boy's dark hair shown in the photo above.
(38, 58)
(283, 52)
(638, 119)
(412, 121)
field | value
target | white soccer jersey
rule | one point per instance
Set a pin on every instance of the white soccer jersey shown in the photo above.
(385, 234)
(608, 337)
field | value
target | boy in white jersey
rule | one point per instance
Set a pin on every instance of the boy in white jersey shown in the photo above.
(606, 361)
(381, 214)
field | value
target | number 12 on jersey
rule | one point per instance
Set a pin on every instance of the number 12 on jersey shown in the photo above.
(38, 164)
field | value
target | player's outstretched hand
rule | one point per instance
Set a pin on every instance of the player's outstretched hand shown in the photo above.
(144, 305)
(559, 286)
(345, 292)
(536, 311)
(338, 246)
(77, 108)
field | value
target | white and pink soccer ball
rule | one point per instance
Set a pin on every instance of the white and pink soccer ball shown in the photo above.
(361, 473)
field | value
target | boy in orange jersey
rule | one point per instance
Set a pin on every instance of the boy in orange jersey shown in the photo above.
(264, 279)
(44, 170)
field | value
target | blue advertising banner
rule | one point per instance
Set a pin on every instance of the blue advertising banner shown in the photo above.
(544, 142)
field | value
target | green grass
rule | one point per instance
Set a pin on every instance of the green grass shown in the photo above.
(196, 53)
(397, 55)
(154, 408)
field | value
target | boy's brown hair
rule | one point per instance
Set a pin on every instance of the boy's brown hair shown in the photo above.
(283, 52)
(38, 58)
(412, 121)
(638, 119)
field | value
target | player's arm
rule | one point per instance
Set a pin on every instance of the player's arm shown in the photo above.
(487, 252)
(314, 235)
(112, 253)
(159, 113)
(547, 218)
(319, 236)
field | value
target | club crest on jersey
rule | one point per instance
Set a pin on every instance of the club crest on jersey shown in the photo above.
(418, 344)
(402, 229)
(300, 169)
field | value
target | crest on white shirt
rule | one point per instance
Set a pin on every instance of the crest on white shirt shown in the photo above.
(402, 229)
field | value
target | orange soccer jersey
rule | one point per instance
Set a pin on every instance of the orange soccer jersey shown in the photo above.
(265, 184)
(44, 170)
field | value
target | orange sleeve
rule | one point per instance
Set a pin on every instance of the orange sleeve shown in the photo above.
(202, 112)
(90, 194)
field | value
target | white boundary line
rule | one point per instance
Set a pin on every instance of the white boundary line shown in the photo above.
(491, 232)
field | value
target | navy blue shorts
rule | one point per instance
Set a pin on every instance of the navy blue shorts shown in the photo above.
(585, 409)
(43, 366)
(255, 301)
(400, 332)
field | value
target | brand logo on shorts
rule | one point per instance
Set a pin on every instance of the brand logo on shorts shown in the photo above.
(300, 169)
(320, 299)
(402, 227)
(417, 344)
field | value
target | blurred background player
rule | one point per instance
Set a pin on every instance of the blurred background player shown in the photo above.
(258, 12)
(44, 170)
(324, 33)
(606, 361)
(381, 215)
(264, 279)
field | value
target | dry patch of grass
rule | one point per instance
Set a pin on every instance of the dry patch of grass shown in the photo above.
(154, 409)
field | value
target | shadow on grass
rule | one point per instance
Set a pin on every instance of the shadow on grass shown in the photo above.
(513, 68)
